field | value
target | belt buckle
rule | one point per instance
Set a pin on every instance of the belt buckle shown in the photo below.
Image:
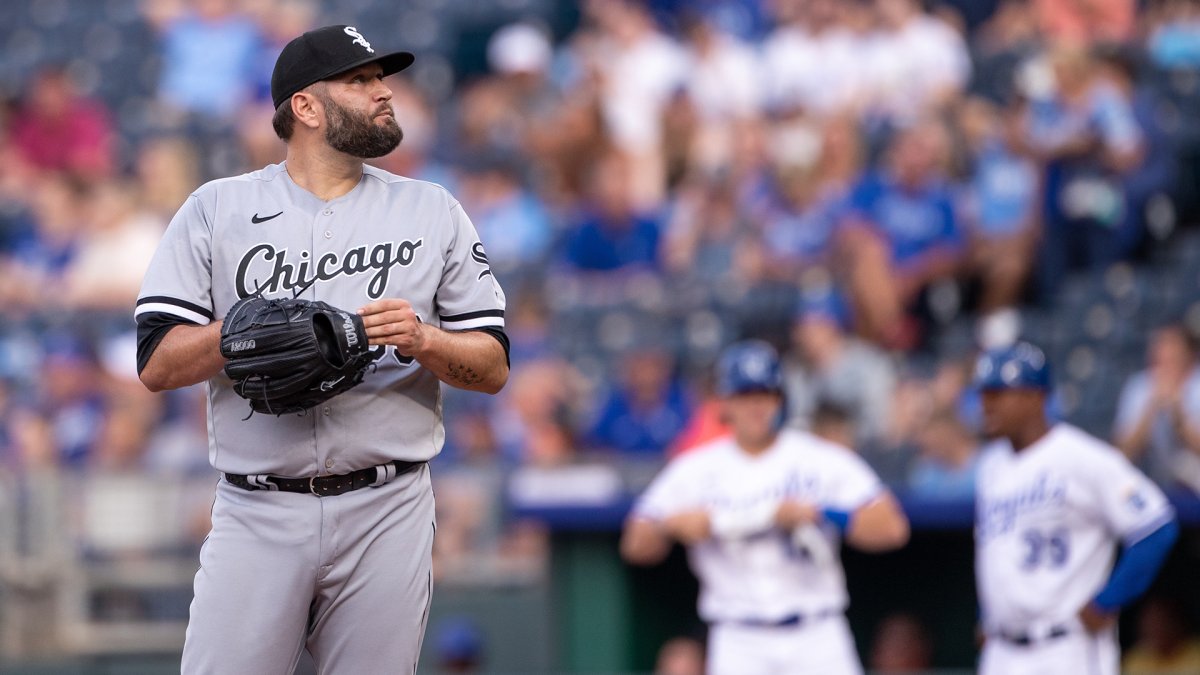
(312, 486)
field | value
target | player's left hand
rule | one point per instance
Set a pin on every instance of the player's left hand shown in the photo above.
(393, 321)
(1095, 619)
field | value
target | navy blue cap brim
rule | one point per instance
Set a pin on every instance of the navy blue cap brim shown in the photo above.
(391, 63)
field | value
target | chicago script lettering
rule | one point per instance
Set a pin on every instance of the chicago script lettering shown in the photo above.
(289, 273)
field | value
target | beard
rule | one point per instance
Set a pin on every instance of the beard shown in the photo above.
(357, 134)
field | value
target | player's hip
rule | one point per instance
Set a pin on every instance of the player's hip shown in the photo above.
(816, 645)
(1063, 648)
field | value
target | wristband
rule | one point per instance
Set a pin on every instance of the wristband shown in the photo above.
(839, 519)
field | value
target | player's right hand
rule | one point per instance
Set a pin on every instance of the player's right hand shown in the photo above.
(689, 527)
(792, 514)
(392, 321)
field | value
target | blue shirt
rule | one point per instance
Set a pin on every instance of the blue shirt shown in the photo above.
(627, 428)
(914, 221)
(515, 231)
(210, 67)
(802, 235)
(597, 246)
(1002, 194)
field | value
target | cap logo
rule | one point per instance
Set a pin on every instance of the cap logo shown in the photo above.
(358, 38)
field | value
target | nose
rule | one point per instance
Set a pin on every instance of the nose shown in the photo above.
(383, 92)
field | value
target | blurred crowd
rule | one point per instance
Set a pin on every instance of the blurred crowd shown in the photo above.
(844, 179)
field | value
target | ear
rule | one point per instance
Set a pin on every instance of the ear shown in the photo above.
(307, 109)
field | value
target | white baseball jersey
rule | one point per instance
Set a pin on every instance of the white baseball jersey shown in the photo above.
(389, 237)
(1047, 522)
(766, 576)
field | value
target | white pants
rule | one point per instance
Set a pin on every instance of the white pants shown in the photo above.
(1079, 653)
(346, 576)
(822, 647)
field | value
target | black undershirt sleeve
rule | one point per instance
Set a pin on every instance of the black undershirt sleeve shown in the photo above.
(501, 337)
(151, 327)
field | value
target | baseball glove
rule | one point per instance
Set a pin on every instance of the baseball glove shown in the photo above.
(288, 355)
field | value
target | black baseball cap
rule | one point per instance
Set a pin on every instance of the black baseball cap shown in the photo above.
(322, 53)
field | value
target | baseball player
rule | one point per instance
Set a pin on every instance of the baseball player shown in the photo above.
(323, 521)
(1051, 504)
(761, 512)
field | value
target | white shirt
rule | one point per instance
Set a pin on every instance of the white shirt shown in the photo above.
(1167, 458)
(1047, 522)
(764, 576)
(639, 79)
(726, 82)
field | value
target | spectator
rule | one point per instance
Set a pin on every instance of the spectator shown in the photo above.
(1093, 20)
(638, 69)
(211, 57)
(521, 57)
(167, 170)
(612, 234)
(999, 207)
(828, 364)
(1174, 40)
(58, 129)
(42, 252)
(1085, 133)
(1000, 45)
(124, 436)
(459, 645)
(528, 325)
(1157, 413)
(1154, 174)
(113, 251)
(536, 411)
(707, 239)
(919, 63)
(723, 84)
(645, 409)
(813, 59)
(901, 235)
(799, 203)
(71, 400)
(944, 468)
(512, 224)
(833, 423)
(680, 656)
(901, 645)
(1164, 645)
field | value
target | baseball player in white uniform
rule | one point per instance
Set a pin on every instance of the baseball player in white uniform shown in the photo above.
(762, 512)
(323, 522)
(1052, 503)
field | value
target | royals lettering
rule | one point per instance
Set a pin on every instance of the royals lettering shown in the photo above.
(269, 270)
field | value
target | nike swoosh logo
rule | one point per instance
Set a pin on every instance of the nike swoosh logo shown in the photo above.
(256, 220)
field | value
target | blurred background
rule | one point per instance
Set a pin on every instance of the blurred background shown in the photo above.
(878, 187)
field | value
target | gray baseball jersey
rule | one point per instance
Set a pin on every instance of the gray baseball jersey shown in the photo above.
(389, 237)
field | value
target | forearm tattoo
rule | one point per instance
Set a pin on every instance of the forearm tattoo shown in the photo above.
(464, 374)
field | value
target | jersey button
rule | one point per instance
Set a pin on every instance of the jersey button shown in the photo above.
(328, 234)
(329, 464)
(328, 212)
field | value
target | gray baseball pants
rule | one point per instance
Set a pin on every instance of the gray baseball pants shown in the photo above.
(347, 576)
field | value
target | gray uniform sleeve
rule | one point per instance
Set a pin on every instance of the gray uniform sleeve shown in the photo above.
(468, 297)
(178, 282)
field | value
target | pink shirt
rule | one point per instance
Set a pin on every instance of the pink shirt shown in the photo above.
(80, 142)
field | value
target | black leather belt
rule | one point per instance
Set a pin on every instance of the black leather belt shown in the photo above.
(324, 486)
(1025, 639)
(791, 620)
